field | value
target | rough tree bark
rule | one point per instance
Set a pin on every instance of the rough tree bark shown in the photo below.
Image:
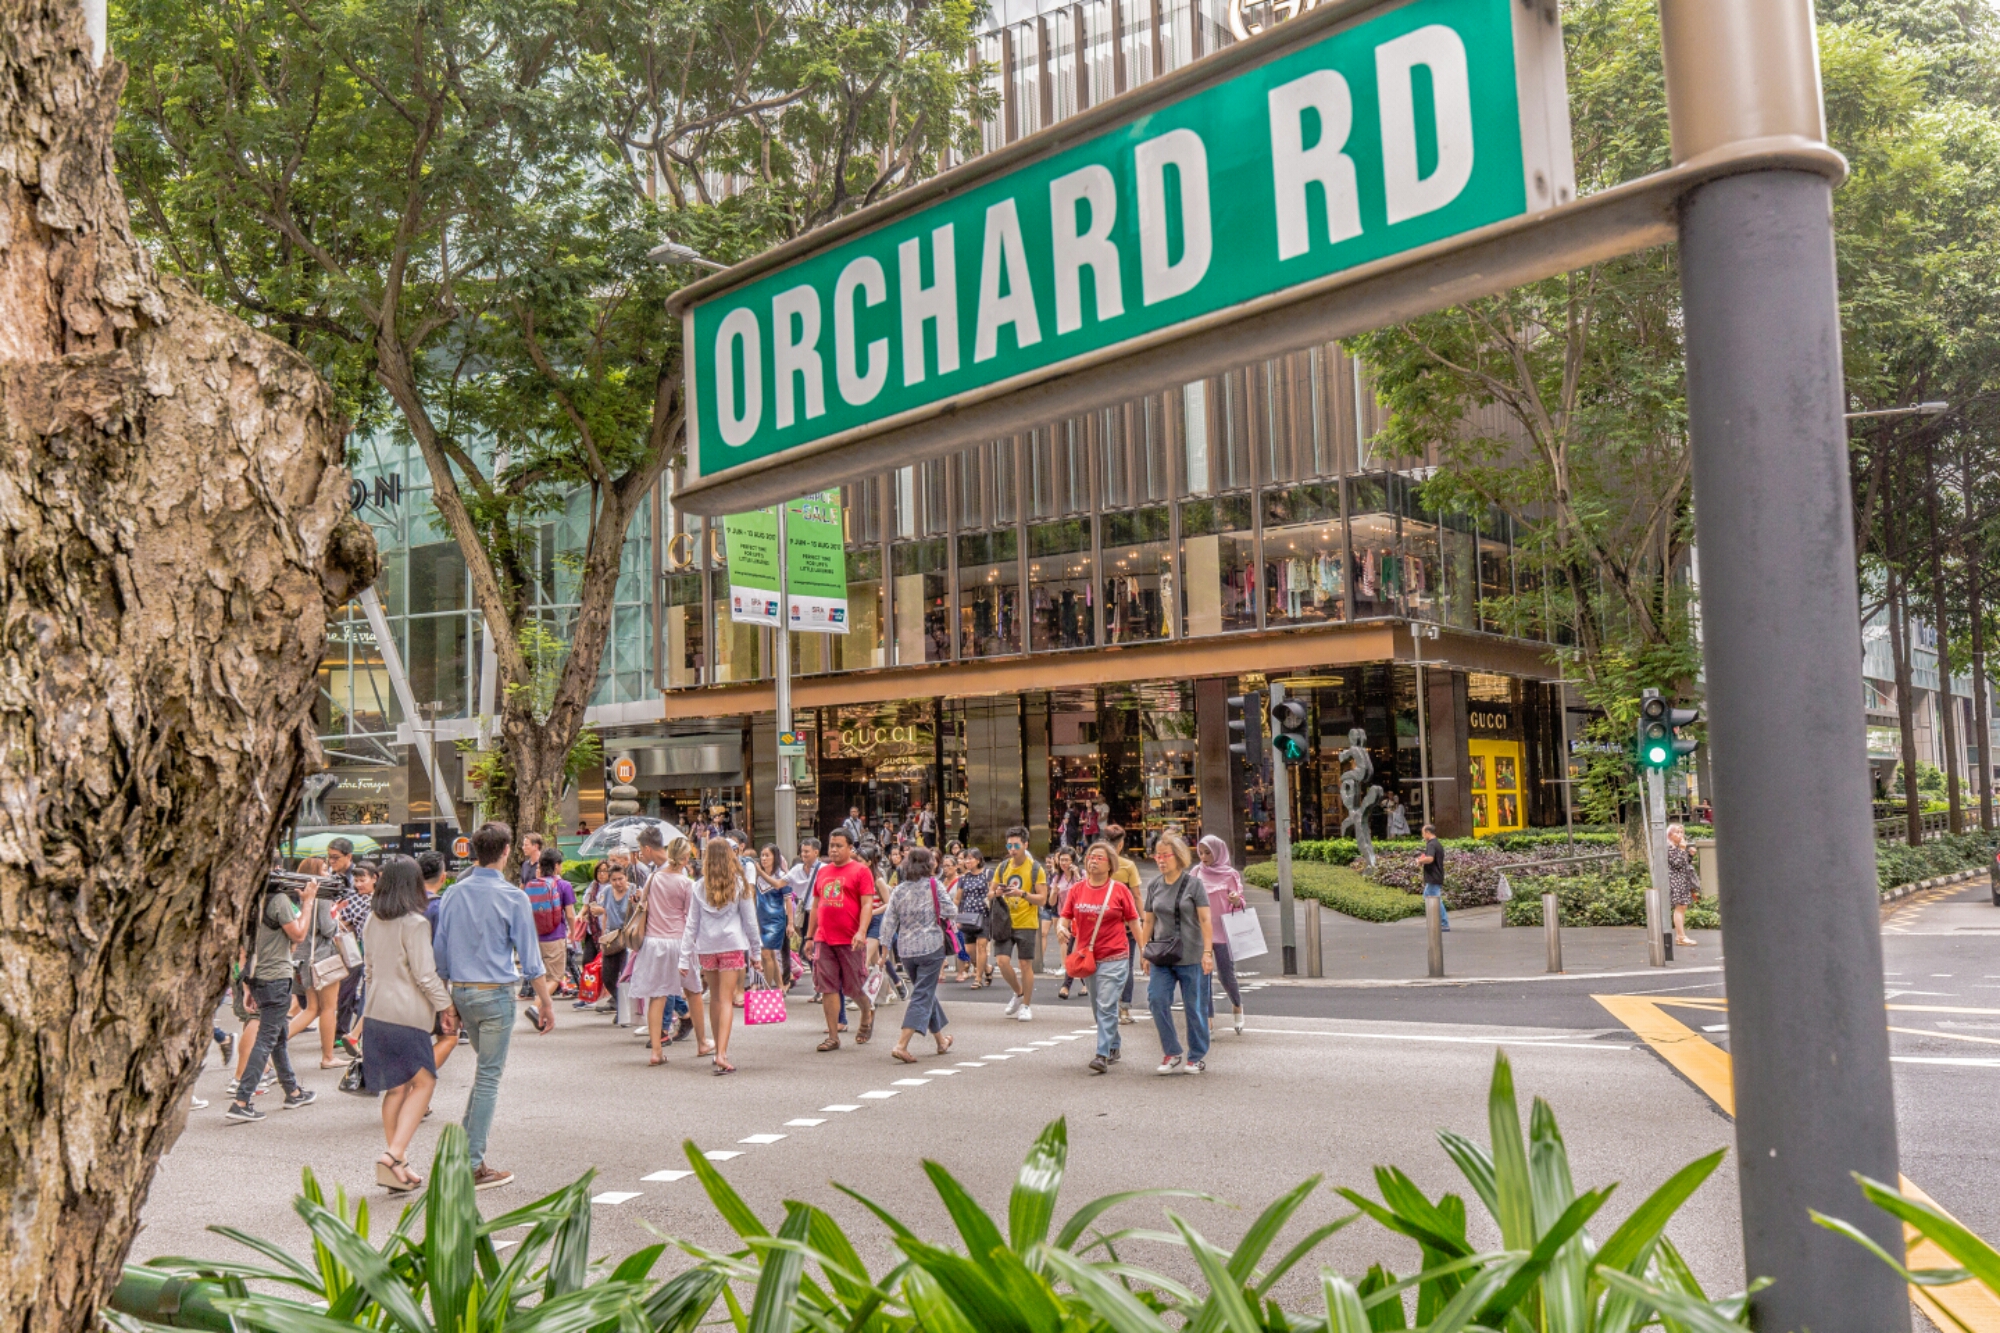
(171, 535)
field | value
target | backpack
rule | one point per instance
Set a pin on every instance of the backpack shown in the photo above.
(542, 896)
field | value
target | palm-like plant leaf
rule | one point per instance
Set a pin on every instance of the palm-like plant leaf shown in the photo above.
(1032, 1205)
(975, 1228)
(451, 1221)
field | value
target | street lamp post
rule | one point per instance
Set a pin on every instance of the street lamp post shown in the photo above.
(430, 713)
(785, 801)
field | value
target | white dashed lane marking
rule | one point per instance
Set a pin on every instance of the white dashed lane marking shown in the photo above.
(722, 1155)
(667, 1177)
(614, 1196)
(911, 1082)
(803, 1122)
(840, 1108)
(879, 1095)
(761, 1139)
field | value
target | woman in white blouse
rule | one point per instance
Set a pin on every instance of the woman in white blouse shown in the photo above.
(722, 935)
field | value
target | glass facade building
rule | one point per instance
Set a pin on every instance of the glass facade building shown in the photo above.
(1045, 629)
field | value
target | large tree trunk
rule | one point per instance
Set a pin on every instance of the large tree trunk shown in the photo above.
(171, 535)
(1982, 720)
(1947, 705)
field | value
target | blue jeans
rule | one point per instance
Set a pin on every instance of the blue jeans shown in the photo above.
(1106, 984)
(1437, 892)
(1194, 1003)
(487, 1016)
(923, 1013)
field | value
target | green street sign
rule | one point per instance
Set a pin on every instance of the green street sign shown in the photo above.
(1200, 201)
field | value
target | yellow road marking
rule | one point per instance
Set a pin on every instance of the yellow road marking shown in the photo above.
(1966, 1305)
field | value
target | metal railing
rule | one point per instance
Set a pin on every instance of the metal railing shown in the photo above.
(1936, 824)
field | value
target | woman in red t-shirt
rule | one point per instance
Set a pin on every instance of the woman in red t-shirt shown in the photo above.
(1094, 916)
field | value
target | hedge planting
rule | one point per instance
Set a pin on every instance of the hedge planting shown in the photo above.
(1613, 897)
(1341, 889)
(1896, 864)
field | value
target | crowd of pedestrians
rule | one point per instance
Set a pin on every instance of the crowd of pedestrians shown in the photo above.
(681, 939)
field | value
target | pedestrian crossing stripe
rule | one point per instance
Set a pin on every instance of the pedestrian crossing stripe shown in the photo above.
(614, 1196)
(1965, 1305)
(667, 1177)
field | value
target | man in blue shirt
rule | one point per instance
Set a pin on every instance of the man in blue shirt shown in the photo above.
(484, 926)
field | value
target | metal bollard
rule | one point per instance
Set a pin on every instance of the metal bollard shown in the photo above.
(1552, 931)
(1656, 947)
(1314, 966)
(1434, 924)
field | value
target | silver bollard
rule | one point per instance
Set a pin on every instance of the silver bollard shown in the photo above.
(1552, 931)
(1314, 966)
(1434, 924)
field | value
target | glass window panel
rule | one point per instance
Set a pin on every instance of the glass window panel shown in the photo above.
(1229, 465)
(1002, 487)
(1457, 559)
(1150, 482)
(1218, 563)
(906, 502)
(933, 477)
(739, 649)
(685, 632)
(989, 594)
(1372, 528)
(1062, 611)
(1138, 575)
(861, 508)
(1305, 560)
(923, 602)
(1195, 475)
(1114, 476)
(440, 662)
(437, 579)
(971, 488)
(1416, 574)
(1495, 578)
(863, 645)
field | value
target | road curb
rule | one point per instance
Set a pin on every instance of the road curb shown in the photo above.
(1934, 882)
(1369, 983)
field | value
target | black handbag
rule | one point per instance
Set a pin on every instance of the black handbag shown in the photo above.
(355, 1081)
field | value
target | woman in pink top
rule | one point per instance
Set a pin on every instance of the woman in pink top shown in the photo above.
(660, 971)
(1225, 895)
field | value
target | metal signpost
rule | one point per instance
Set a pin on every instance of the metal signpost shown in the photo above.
(1296, 188)
(1281, 800)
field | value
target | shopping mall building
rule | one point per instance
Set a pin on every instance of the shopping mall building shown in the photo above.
(1046, 623)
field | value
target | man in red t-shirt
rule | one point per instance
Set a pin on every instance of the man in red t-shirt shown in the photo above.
(845, 900)
(1095, 914)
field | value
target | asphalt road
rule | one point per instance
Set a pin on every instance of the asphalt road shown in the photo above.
(1329, 1078)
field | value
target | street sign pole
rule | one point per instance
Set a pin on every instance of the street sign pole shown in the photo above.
(1281, 796)
(1656, 864)
(1781, 648)
(785, 802)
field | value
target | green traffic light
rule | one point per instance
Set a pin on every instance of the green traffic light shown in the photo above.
(1290, 748)
(1656, 755)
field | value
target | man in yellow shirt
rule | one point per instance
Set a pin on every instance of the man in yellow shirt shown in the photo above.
(1127, 874)
(1022, 887)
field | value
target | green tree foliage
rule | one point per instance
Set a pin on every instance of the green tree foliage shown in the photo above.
(448, 205)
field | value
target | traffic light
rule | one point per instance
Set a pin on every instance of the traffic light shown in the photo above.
(1289, 739)
(1246, 728)
(1659, 747)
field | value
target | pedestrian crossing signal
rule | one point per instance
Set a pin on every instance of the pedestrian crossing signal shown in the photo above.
(1289, 737)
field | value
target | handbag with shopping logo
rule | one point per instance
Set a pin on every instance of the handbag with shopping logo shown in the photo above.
(952, 944)
(763, 1004)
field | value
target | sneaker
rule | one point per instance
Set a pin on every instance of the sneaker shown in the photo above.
(242, 1113)
(228, 1045)
(1099, 1063)
(1170, 1064)
(1117, 1054)
(198, 1103)
(1027, 1015)
(1195, 1067)
(1013, 1007)
(487, 1178)
(685, 1026)
(269, 1081)
(583, 1004)
(302, 1097)
(1239, 1022)
(1124, 1018)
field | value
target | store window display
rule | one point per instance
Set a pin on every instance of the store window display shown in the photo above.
(989, 594)
(1062, 593)
(1377, 564)
(1138, 575)
(1305, 566)
(923, 602)
(1219, 561)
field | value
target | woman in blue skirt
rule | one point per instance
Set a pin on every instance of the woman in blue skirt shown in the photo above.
(405, 994)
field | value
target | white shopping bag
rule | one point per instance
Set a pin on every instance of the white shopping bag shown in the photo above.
(1246, 934)
(1505, 892)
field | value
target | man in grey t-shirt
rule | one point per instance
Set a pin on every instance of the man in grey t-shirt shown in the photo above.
(280, 925)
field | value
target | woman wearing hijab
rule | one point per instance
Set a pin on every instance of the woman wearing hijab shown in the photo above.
(1225, 895)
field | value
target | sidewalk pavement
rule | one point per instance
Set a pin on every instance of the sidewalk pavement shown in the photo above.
(1477, 948)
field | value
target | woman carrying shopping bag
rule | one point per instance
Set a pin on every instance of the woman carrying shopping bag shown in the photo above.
(1225, 899)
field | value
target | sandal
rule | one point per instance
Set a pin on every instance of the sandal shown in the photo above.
(866, 1030)
(944, 1044)
(656, 1059)
(333, 1064)
(830, 1044)
(723, 1067)
(898, 1053)
(394, 1174)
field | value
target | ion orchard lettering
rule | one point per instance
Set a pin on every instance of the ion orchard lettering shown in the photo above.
(1370, 140)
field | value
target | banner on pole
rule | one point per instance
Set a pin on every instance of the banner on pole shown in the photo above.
(816, 565)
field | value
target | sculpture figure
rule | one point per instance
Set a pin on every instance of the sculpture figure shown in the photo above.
(1357, 769)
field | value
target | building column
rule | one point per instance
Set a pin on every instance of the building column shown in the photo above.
(1215, 766)
(1445, 706)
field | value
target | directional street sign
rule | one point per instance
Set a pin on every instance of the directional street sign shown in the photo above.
(1302, 156)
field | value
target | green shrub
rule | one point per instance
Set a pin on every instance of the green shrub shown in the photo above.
(579, 872)
(1344, 890)
(1342, 851)
(1018, 1273)
(1896, 864)
(1611, 897)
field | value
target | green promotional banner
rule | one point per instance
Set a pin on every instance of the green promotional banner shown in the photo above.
(1405, 128)
(816, 565)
